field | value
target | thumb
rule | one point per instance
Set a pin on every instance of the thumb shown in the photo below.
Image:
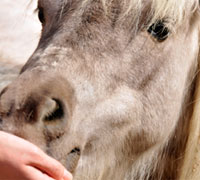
(67, 175)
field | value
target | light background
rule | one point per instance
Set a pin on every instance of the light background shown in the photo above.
(19, 29)
(19, 34)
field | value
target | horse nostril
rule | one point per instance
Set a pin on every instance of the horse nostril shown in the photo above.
(54, 118)
(55, 111)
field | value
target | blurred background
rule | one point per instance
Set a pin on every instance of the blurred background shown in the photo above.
(19, 34)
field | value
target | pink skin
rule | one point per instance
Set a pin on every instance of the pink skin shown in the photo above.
(21, 160)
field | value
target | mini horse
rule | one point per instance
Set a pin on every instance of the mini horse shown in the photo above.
(109, 90)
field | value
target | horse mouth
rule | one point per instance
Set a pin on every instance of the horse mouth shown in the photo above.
(72, 159)
(54, 112)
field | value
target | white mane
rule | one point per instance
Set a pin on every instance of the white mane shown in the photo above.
(173, 11)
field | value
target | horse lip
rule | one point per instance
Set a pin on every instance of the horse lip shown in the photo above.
(73, 159)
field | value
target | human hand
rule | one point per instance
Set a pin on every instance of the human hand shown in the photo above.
(21, 160)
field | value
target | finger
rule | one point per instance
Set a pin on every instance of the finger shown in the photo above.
(49, 166)
(67, 175)
(35, 174)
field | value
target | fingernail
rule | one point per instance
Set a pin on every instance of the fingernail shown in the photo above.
(67, 175)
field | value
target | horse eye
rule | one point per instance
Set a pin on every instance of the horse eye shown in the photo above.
(159, 31)
(41, 15)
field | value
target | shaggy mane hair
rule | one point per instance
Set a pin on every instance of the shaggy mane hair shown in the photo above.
(173, 12)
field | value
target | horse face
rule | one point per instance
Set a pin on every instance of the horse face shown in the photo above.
(102, 93)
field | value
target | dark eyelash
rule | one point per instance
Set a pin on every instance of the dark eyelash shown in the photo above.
(36, 10)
